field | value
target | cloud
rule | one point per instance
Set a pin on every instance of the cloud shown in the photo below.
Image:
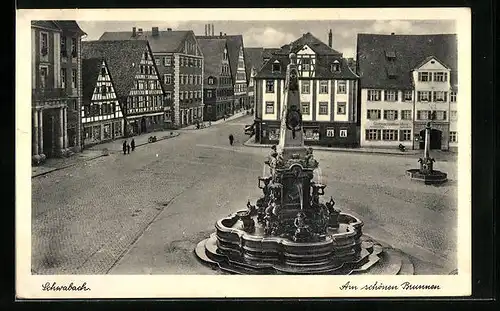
(267, 37)
(94, 30)
(348, 52)
(396, 26)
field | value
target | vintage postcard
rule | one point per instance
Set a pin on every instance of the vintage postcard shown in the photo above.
(280, 153)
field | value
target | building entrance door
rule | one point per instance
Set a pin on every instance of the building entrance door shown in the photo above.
(48, 133)
(143, 125)
(436, 136)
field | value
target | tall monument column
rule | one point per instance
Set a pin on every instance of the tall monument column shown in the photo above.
(427, 141)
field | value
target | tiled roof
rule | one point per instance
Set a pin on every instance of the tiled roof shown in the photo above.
(318, 46)
(254, 59)
(169, 41)
(213, 52)
(122, 57)
(323, 68)
(90, 72)
(410, 51)
(71, 26)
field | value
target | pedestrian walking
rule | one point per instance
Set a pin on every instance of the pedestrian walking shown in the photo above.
(231, 139)
(132, 144)
(124, 147)
(128, 149)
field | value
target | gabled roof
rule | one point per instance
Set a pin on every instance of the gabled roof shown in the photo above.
(59, 25)
(69, 26)
(234, 43)
(410, 51)
(169, 41)
(322, 68)
(314, 43)
(428, 59)
(122, 57)
(213, 52)
(254, 59)
(90, 72)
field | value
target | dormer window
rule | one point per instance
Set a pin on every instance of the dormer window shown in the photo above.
(276, 66)
(103, 71)
(390, 55)
(335, 67)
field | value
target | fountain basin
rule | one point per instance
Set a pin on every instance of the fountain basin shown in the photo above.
(432, 178)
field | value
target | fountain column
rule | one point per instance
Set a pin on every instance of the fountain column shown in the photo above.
(35, 132)
(427, 140)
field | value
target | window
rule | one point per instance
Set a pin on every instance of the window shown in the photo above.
(73, 78)
(335, 67)
(73, 47)
(453, 137)
(341, 87)
(305, 108)
(104, 90)
(140, 85)
(311, 134)
(305, 64)
(405, 114)
(210, 80)
(440, 76)
(269, 86)
(343, 132)
(408, 96)
(269, 107)
(405, 135)
(44, 43)
(330, 132)
(440, 96)
(152, 85)
(373, 114)
(390, 55)
(63, 78)
(323, 87)
(167, 78)
(274, 134)
(276, 66)
(167, 61)
(391, 95)
(372, 134)
(323, 108)
(390, 135)
(209, 93)
(453, 115)
(453, 97)
(374, 95)
(44, 72)
(424, 96)
(341, 107)
(390, 114)
(64, 51)
(440, 115)
(424, 115)
(306, 87)
(424, 77)
(181, 95)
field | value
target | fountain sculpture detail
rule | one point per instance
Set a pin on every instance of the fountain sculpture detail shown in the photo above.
(426, 173)
(289, 230)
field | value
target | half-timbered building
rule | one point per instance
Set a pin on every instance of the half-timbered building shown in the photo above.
(136, 80)
(101, 115)
(328, 92)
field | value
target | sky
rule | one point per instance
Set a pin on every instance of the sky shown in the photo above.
(277, 33)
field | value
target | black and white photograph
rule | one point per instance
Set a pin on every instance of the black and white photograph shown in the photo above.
(312, 152)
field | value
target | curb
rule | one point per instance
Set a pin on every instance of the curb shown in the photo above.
(253, 145)
(96, 157)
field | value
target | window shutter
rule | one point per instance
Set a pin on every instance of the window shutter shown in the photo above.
(396, 95)
(395, 114)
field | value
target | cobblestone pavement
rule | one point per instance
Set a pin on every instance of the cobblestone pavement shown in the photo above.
(144, 213)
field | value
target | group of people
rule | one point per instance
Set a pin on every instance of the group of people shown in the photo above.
(126, 147)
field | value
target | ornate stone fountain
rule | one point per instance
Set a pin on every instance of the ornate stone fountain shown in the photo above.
(426, 173)
(290, 230)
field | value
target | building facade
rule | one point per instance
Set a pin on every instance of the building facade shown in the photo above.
(101, 115)
(407, 81)
(136, 80)
(218, 86)
(179, 61)
(56, 88)
(328, 94)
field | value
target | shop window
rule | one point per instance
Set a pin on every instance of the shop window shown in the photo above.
(311, 134)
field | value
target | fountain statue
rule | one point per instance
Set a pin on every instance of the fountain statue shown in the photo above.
(426, 173)
(290, 230)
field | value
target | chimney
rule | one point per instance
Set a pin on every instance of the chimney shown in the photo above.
(224, 34)
(205, 29)
(212, 29)
(392, 33)
(221, 33)
(139, 31)
(169, 29)
(133, 32)
(330, 38)
(154, 31)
